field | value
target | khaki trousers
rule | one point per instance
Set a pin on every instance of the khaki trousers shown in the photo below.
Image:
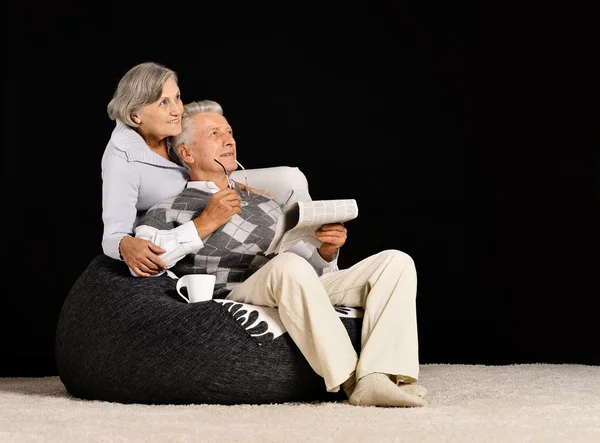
(384, 285)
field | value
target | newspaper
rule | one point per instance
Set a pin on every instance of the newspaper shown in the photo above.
(300, 221)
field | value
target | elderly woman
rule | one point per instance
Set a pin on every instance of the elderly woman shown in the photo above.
(137, 170)
(201, 231)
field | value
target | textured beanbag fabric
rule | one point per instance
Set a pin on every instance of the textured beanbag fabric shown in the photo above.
(134, 340)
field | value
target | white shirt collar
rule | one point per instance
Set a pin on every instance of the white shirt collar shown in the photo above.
(204, 186)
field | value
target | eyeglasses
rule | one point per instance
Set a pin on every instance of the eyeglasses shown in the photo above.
(245, 177)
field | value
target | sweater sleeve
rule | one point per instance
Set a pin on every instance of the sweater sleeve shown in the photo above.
(120, 191)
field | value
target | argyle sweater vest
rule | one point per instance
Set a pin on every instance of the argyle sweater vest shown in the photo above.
(233, 252)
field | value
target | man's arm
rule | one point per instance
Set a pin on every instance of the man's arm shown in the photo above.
(324, 259)
(311, 254)
(177, 242)
(180, 231)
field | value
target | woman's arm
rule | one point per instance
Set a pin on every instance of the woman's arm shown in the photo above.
(120, 190)
(120, 193)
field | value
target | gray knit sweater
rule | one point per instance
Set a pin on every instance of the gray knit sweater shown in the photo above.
(233, 252)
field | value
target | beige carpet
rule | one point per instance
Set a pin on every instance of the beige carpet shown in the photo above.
(467, 403)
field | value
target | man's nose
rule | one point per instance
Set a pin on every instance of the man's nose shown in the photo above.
(228, 139)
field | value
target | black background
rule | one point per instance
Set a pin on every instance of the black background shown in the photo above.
(465, 130)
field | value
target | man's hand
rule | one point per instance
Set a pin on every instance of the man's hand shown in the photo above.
(333, 236)
(221, 207)
(141, 256)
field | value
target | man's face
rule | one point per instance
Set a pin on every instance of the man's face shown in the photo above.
(213, 139)
(162, 118)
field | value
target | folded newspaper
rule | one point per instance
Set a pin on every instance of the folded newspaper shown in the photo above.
(300, 221)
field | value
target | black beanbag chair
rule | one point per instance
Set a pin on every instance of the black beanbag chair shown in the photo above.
(134, 340)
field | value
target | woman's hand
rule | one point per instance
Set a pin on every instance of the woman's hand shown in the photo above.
(333, 236)
(141, 256)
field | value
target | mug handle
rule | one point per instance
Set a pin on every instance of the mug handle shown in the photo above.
(180, 284)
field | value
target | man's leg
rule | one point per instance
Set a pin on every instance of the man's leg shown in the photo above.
(385, 285)
(289, 283)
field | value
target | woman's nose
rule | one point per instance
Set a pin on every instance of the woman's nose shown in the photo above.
(176, 109)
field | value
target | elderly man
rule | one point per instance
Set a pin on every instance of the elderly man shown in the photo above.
(212, 227)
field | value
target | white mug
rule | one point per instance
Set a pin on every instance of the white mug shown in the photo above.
(200, 287)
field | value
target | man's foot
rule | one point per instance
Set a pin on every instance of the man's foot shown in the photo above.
(414, 389)
(377, 389)
(349, 385)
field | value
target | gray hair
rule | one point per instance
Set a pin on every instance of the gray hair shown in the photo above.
(139, 87)
(189, 125)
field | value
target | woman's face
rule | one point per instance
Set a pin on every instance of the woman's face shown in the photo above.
(162, 118)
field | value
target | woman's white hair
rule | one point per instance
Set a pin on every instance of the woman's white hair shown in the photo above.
(189, 126)
(139, 87)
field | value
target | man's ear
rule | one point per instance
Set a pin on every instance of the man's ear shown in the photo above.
(185, 153)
